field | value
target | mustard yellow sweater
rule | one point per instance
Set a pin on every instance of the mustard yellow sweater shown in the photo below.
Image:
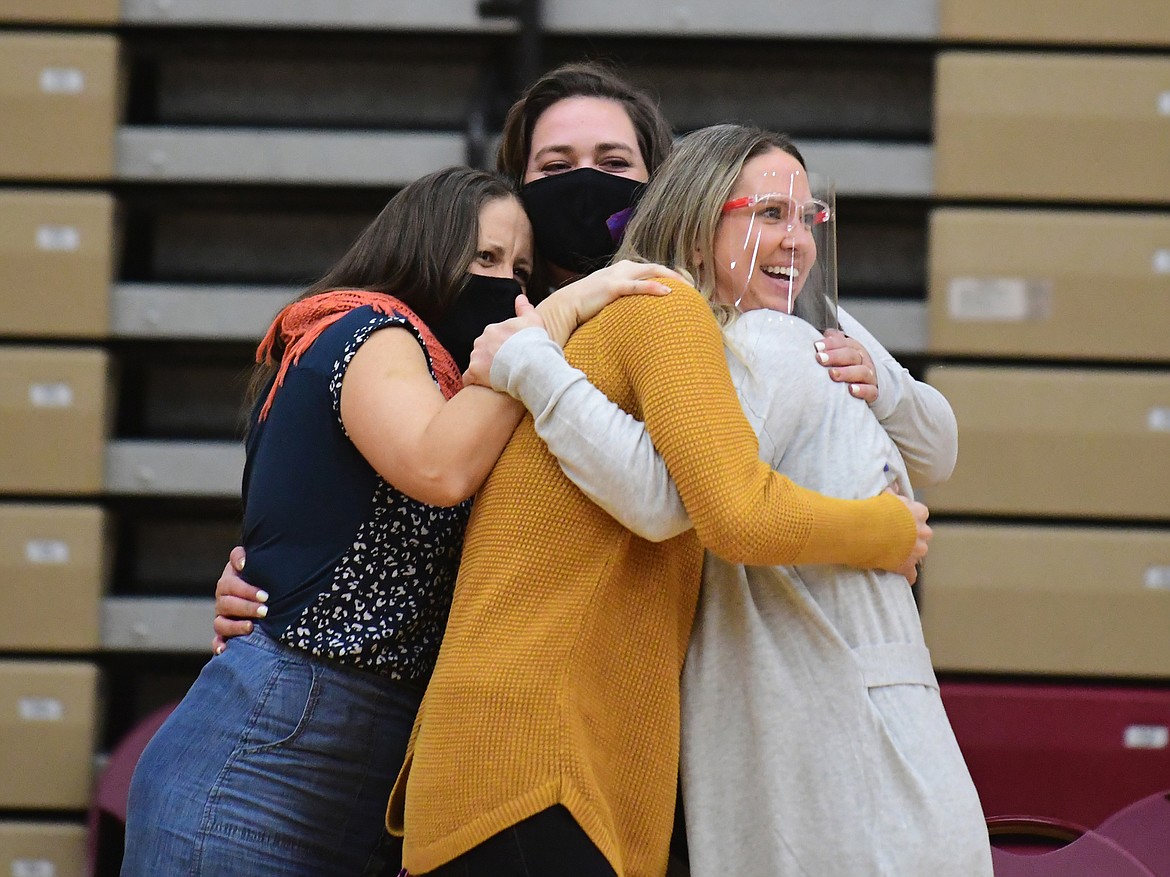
(558, 678)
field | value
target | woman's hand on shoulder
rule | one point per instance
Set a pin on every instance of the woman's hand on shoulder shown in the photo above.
(235, 602)
(488, 344)
(849, 363)
(583, 299)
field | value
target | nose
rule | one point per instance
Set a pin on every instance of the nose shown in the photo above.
(798, 233)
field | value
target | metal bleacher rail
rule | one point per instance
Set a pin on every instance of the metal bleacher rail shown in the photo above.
(854, 19)
(317, 157)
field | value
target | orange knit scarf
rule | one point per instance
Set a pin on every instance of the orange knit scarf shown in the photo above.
(301, 322)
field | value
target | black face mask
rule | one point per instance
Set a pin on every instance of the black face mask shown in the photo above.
(484, 300)
(569, 214)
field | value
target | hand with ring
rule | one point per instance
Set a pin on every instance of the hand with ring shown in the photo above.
(849, 363)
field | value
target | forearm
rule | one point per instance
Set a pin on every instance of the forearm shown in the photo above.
(791, 524)
(600, 448)
(876, 533)
(463, 441)
(915, 415)
(559, 315)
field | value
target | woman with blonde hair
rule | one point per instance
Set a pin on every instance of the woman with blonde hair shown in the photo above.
(814, 740)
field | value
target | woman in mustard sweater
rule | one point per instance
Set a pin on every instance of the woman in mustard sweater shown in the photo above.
(549, 732)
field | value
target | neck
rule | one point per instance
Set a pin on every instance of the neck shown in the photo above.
(561, 276)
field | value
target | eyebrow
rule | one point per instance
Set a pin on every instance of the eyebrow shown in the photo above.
(564, 148)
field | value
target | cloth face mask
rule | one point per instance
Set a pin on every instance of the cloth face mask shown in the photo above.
(484, 300)
(570, 214)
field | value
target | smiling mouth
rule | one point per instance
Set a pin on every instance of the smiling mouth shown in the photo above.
(782, 272)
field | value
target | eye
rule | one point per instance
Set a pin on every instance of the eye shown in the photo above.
(555, 167)
(485, 257)
(615, 164)
(522, 275)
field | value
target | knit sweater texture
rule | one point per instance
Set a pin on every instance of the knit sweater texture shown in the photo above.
(558, 678)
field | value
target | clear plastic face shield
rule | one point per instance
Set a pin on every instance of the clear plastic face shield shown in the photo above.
(776, 244)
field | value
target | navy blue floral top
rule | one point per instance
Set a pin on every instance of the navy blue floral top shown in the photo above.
(356, 571)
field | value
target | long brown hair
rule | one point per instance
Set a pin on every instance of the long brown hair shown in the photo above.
(418, 249)
(584, 79)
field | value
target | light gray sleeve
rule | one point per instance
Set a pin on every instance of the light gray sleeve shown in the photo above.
(602, 449)
(915, 415)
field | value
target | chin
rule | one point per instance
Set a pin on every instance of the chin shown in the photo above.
(774, 303)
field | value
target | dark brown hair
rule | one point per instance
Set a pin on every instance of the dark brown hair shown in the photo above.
(585, 79)
(418, 249)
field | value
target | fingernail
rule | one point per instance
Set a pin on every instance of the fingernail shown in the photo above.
(664, 287)
(855, 389)
(243, 560)
(819, 345)
(219, 650)
(251, 627)
(834, 373)
(262, 596)
(822, 358)
(262, 612)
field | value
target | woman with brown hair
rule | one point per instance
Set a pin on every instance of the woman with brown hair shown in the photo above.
(363, 451)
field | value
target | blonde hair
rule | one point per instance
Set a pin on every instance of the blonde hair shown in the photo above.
(676, 218)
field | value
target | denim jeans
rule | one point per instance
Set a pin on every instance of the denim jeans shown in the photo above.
(275, 763)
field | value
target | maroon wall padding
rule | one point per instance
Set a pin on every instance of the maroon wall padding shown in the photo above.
(1077, 752)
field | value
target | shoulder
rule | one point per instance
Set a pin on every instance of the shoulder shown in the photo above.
(770, 338)
(351, 331)
(683, 309)
(359, 337)
(764, 322)
(363, 321)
